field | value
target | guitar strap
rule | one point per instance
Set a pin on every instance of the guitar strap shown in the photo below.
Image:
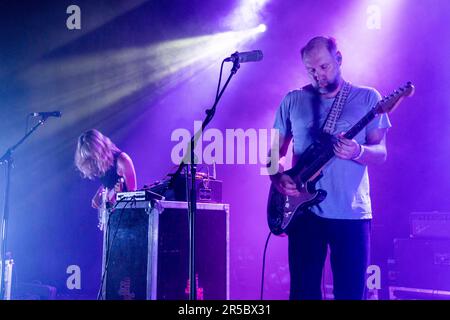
(334, 114)
(336, 109)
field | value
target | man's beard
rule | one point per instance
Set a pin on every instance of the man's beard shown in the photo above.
(330, 87)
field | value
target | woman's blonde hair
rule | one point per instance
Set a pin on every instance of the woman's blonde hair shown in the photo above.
(95, 154)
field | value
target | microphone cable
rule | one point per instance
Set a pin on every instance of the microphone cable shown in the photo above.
(220, 80)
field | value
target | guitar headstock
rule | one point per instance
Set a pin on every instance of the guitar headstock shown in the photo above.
(389, 103)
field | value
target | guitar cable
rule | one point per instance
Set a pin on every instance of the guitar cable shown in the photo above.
(108, 246)
(264, 266)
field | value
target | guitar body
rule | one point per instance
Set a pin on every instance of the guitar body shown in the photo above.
(107, 197)
(282, 209)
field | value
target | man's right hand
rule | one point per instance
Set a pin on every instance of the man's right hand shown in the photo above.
(284, 184)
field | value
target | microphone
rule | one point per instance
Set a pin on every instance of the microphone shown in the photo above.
(46, 114)
(249, 56)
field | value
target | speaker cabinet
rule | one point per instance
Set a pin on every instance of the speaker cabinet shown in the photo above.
(146, 251)
(422, 263)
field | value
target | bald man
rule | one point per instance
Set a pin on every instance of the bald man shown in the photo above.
(342, 221)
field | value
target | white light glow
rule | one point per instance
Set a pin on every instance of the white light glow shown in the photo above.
(104, 78)
(247, 13)
(262, 28)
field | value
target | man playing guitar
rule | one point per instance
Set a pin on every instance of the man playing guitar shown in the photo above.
(342, 220)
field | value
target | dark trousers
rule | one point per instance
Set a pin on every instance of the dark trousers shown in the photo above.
(349, 243)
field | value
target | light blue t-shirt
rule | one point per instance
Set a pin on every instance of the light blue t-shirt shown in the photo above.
(346, 181)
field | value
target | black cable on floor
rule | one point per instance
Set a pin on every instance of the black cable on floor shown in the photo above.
(264, 266)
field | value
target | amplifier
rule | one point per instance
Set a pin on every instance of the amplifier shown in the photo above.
(430, 224)
(146, 251)
(208, 190)
(139, 195)
(422, 263)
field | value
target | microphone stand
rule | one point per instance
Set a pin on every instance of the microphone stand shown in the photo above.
(192, 207)
(7, 159)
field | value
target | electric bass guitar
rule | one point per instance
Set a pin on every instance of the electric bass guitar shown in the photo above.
(281, 209)
(102, 210)
(108, 199)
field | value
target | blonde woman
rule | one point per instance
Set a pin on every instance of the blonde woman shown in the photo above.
(97, 157)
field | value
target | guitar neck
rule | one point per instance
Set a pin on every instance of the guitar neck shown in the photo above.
(350, 134)
(327, 154)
